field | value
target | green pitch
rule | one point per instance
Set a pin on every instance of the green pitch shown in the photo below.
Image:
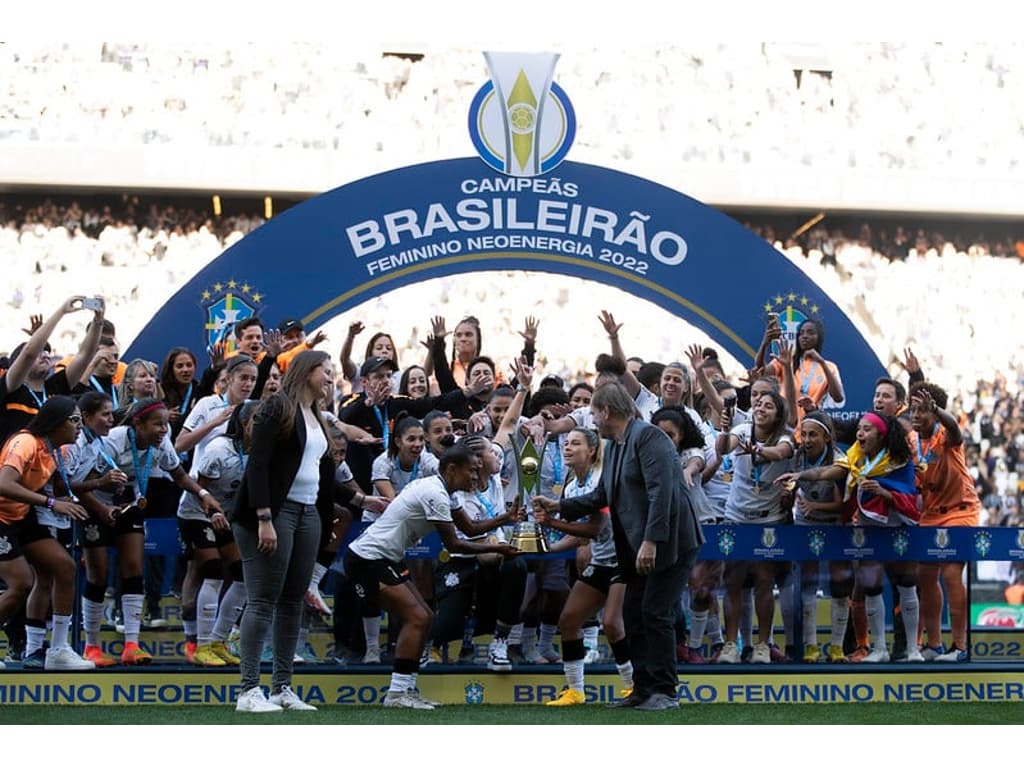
(988, 713)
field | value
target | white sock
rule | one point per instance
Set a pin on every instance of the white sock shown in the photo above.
(786, 608)
(547, 637)
(840, 615)
(371, 628)
(747, 618)
(231, 606)
(319, 571)
(574, 674)
(206, 608)
(401, 683)
(131, 607)
(910, 610)
(626, 673)
(188, 627)
(809, 611)
(34, 639)
(59, 635)
(529, 640)
(698, 623)
(92, 617)
(714, 627)
(590, 635)
(874, 606)
(515, 635)
(300, 642)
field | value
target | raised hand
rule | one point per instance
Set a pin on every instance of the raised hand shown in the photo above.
(35, 322)
(318, 338)
(477, 422)
(529, 332)
(274, 341)
(910, 362)
(354, 329)
(523, 371)
(695, 354)
(785, 355)
(217, 353)
(609, 324)
(924, 401)
(437, 327)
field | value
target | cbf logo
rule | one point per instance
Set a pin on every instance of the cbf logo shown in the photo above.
(982, 542)
(791, 308)
(942, 538)
(474, 692)
(228, 303)
(816, 542)
(521, 122)
(858, 538)
(900, 543)
(726, 542)
(768, 538)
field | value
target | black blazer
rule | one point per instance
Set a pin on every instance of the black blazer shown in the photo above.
(642, 484)
(274, 460)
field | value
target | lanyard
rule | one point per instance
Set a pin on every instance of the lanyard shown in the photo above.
(90, 436)
(920, 457)
(187, 401)
(39, 402)
(486, 503)
(727, 459)
(557, 461)
(413, 473)
(141, 478)
(383, 424)
(581, 488)
(869, 465)
(242, 458)
(755, 472)
(818, 463)
(805, 380)
(99, 388)
(59, 459)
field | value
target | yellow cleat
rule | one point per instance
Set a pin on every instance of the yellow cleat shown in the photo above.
(812, 654)
(836, 655)
(568, 698)
(220, 649)
(625, 693)
(207, 657)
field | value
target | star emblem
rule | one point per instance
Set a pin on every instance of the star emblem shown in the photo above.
(218, 287)
(814, 309)
(767, 307)
(804, 301)
(246, 288)
(232, 284)
(791, 297)
(778, 299)
(207, 295)
(256, 297)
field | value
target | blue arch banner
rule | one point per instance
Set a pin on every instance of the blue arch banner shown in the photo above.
(341, 248)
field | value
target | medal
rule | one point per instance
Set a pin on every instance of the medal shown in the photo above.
(757, 488)
(141, 503)
(727, 477)
(556, 490)
(444, 556)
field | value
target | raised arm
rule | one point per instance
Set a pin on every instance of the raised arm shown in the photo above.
(695, 355)
(524, 377)
(788, 384)
(348, 368)
(18, 371)
(772, 332)
(628, 380)
(83, 358)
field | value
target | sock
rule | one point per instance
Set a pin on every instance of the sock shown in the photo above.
(787, 608)
(747, 619)
(590, 635)
(809, 613)
(401, 683)
(626, 673)
(714, 628)
(303, 637)
(319, 571)
(574, 674)
(874, 606)
(956, 599)
(92, 617)
(547, 637)
(840, 615)
(34, 637)
(529, 641)
(698, 621)
(188, 626)
(860, 622)
(230, 610)
(515, 635)
(371, 628)
(206, 608)
(909, 611)
(131, 606)
(59, 636)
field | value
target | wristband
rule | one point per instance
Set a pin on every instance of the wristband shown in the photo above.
(521, 388)
(264, 518)
(203, 493)
(50, 501)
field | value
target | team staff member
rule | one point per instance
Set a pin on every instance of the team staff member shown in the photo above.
(374, 561)
(657, 538)
(948, 499)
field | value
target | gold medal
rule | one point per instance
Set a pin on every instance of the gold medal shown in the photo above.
(757, 488)
(141, 503)
(444, 556)
(556, 490)
(727, 477)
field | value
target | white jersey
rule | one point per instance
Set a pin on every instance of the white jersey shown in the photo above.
(408, 518)
(389, 468)
(753, 495)
(481, 506)
(119, 449)
(207, 409)
(602, 546)
(221, 463)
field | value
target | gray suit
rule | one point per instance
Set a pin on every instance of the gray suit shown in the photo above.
(642, 484)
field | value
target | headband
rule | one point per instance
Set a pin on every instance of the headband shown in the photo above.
(821, 424)
(148, 409)
(237, 360)
(878, 422)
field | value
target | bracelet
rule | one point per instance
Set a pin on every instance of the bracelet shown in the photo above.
(264, 518)
(521, 388)
(203, 493)
(50, 501)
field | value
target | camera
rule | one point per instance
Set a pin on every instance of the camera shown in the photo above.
(93, 303)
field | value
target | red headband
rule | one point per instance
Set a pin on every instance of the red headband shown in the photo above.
(147, 409)
(878, 422)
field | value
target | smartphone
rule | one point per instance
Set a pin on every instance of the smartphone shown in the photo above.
(729, 403)
(95, 304)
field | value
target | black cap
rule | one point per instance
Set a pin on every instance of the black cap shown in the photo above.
(290, 325)
(373, 363)
(553, 379)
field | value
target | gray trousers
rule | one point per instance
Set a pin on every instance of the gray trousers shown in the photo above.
(276, 585)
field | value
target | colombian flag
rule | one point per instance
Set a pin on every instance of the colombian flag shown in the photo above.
(896, 479)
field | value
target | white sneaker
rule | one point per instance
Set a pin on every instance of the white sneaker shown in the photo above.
(878, 656)
(415, 693)
(914, 655)
(592, 656)
(762, 654)
(730, 654)
(405, 700)
(316, 601)
(372, 657)
(254, 700)
(65, 658)
(497, 656)
(2, 666)
(286, 699)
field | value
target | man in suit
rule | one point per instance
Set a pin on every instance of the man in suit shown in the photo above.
(657, 538)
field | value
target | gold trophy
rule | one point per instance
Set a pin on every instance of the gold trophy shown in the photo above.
(526, 535)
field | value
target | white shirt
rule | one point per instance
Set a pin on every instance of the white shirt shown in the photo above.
(306, 484)
(207, 409)
(389, 468)
(745, 504)
(408, 518)
(221, 464)
(119, 448)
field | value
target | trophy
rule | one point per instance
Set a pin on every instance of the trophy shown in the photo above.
(526, 535)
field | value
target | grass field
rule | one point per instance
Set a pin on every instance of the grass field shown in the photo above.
(988, 713)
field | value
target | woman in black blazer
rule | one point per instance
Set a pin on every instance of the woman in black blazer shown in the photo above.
(283, 511)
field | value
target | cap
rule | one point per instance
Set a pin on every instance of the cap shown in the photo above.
(553, 379)
(290, 325)
(373, 363)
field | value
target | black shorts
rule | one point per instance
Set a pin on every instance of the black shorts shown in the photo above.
(14, 537)
(368, 576)
(600, 577)
(200, 534)
(97, 534)
(457, 574)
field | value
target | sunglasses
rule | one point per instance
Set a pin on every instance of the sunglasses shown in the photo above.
(75, 419)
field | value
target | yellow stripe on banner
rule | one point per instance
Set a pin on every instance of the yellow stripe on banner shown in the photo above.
(552, 258)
